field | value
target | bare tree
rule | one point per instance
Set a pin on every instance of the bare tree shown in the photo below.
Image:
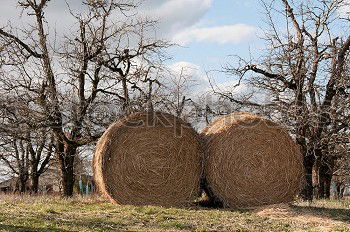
(26, 148)
(175, 97)
(25, 159)
(15, 156)
(14, 153)
(83, 85)
(305, 73)
(41, 149)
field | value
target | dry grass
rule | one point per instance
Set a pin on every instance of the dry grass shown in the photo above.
(78, 214)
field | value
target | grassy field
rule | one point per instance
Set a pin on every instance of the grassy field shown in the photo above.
(78, 214)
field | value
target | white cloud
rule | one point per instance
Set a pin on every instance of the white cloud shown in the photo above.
(190, 74)
(234, 34)
(176, 15)
(178, 20)
(189, 69)
(231, 86)
(199, 82)
(173, 15)
(199, 85)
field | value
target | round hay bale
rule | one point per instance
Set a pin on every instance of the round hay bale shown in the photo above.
(149, 159)
(251, 161)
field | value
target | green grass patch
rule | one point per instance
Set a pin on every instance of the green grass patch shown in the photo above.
(26, 213)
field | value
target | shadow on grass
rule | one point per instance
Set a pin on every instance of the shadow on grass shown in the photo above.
(26, 228)
(332, 213)
(335, 214)
(218, 205)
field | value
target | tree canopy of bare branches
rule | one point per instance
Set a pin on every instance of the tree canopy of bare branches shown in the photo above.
(305, 73)
(92, 75)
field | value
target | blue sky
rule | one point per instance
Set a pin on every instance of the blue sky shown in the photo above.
(212, 52)
(208, 30)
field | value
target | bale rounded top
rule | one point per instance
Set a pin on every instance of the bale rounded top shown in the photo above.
(251, 161)
(149, 159)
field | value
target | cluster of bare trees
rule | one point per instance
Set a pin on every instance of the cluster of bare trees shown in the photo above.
(306, 75)
(60, 92)
(26, 149)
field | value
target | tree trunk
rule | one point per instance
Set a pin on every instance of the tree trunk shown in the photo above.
(68, 179)
(307, 191)
(316, 178)
(16, 188)
(341, 193)
(35, 183)
(322, 179)
(23, 183)
(67, 169)
(325, 176)
(340, 189)
(322, 190)
(126, 106)
(327, 185)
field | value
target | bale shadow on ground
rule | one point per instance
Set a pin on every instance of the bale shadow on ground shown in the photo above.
(332, 213)
(337, 214)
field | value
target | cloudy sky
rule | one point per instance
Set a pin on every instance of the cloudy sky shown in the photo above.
(207, 30)
(210, 30)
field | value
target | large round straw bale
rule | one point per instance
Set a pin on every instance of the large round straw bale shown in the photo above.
(149, 159)
(251, 161)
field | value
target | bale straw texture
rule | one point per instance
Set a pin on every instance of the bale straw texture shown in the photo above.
(149, 159)
(251, 161)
